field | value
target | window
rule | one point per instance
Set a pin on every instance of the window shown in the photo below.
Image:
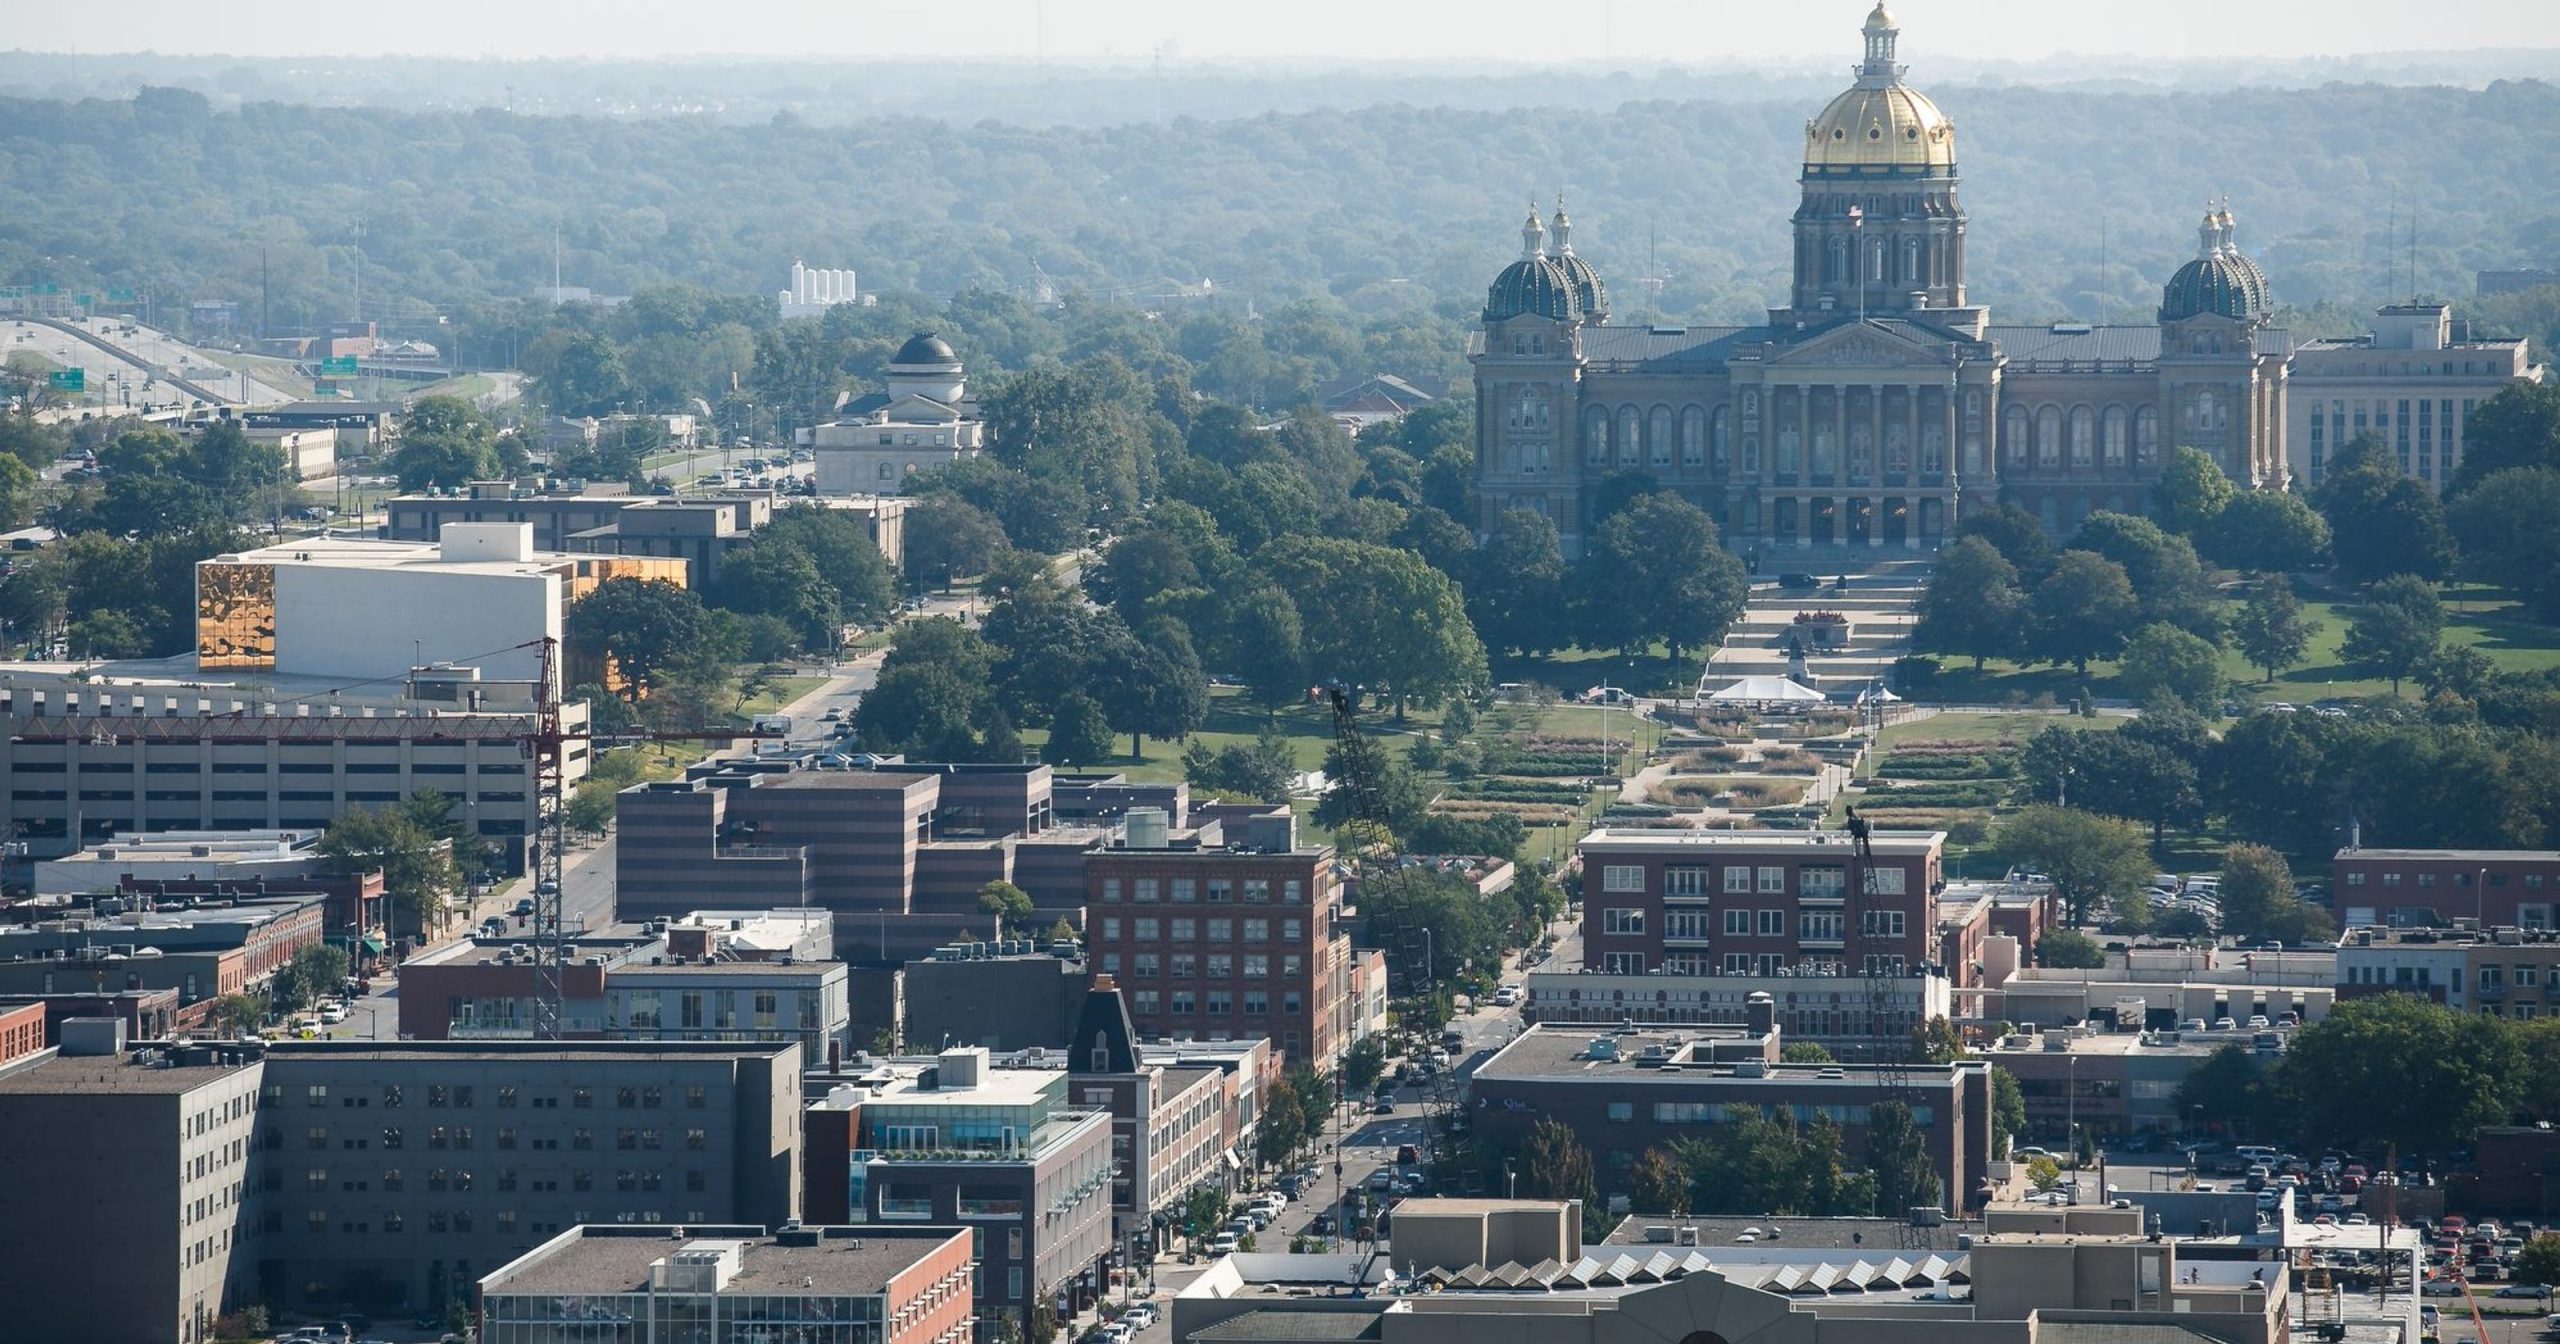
(318, 1095)
(1737, 879)
(1622, 919)
(1622, 877)
(696, 1139)
(1186, 964)
(1111, 891)
(1184, 930)
(1257, 965)
(392, 1136)
(1186, 890)
(1819, 926)
(1257, 1002)
(1881, 924)
(1257, 930)
(1221, 890)
(1184, 1003)
(1257, 891)
(1622, 1110)
(1221, 1001)
(390, 1094)
(1684, 881)
(1144, 889)
(1737, 923)
(1737, 963)
(1622, 963)
(1888, 881)
(1222, 966)
(1773, 880)
(438, 1095)
(1222, 930)
(580, 1098)
(1143, 964)
(1773, 923)
(1111, 928)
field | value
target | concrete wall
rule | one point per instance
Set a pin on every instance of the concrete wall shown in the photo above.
(359, 623)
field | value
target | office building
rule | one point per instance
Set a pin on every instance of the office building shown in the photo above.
(1225, 942)
(126, 749)
(1833, 1011)
(398, 1174)
(133, 1187)
(1755, 903)
(244, 858)
(2413, 381)
(975, 994)
(735, 1285)
(203, 952)
(1630, 1089)
(2116, 1084)
(953, 1140)
(1171, 1129)
(480, 597)
(2422, 888)
(2495, 972)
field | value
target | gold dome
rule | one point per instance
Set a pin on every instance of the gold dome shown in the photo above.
(1890, 127)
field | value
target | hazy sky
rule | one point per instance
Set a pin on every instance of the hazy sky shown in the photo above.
(1633, 30)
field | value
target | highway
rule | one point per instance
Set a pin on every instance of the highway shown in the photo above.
(134, 374)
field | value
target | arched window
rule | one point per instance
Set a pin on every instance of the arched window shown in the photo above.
(1630, 436)
(1595, 436)
(2049, 437)
(2112, 438)
(1877, 258)
(1911, 260)
(1835, 263)
(2084, 436)
(1693, 435)
(2013, 434)
(1720, 440)
(1658, 436)
(2146, 437)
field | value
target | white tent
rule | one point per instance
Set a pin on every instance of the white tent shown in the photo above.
(1765, 690)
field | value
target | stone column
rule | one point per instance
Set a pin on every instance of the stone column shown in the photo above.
(1875, 433)
(1875, 521)
(1839, 432)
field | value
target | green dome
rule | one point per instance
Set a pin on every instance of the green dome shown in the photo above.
(1533, 287)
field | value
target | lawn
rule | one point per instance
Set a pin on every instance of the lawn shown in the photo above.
(2481, 618)
(1984, 728)
(778, 692)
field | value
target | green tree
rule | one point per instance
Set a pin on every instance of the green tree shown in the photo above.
(2167, 577)
(2269, 531)
(1284, 1126)
(419, 875)
(592, 809)
(1656, 571)
(2014, 533)
(2081, 611)
(1078, 733)
(1378, 618)
(2518, 429)
(2271, 630)
(587, 378)
(2457, 670)
(1899, 1154)
(947, 536)
(2070, 949)
(1363, 1065)
(841, 549)
(237, 1015)
(445, 442)
(2225, 1090)
(2380, 521)
(2008, 1110)
(1269, 643)
(1555, 1165)
(1006, 902)
(2095, 862)
(313, 973)
(2539, 1261)
(646, 631)
(1658, 1183)
(2191, 492)
(1516, 585)
(1972, 604)
(2259, 901)
(2165, 661)
(1805, 1052)
(2423, 1076)
(2396, 629)
(2510, 529)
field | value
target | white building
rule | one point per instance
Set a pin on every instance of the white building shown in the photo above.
(369, 612)
(181, 856)
(813, 291)
(924, 420)
(2413, 381)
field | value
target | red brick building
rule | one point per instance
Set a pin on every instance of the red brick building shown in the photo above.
(2409, 888)
(21, 1031)
(1225, 942)
(1755, 902)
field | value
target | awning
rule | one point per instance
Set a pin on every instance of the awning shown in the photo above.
(372, 945)
(1233, 1162)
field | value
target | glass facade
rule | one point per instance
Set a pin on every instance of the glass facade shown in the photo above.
(692, 1318)
(236, 616)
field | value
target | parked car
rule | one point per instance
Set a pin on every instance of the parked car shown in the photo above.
(1383, 1106)
(1140, 1316)
(1223, 1244)
(2520, 1290)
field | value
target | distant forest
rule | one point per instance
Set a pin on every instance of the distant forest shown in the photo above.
(1387, 210)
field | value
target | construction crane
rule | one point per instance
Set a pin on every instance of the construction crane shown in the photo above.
(1880, 956)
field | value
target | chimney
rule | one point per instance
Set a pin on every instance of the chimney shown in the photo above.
(1760, 1013)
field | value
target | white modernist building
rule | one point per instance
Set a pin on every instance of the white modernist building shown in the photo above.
(924, 420)
(814, 290)
(363, 611)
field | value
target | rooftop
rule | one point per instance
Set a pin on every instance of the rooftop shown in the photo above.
(67, 1075)
(348, 552)
(1705, 842)
(1563, 1054)
(579, 1052)
(836, 1261)
(1294, 1325)
(2455, 855)
(1808, 1234)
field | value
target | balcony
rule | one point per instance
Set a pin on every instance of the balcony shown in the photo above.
(1823, 896)
(1685, 940)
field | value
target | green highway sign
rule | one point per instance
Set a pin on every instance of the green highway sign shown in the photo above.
(119, 296)
(68, 380)
(338, 366)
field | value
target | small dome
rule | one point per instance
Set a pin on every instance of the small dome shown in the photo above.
(2225, 283)
(1533, 287)
(1588, 293)
(1881, 19)
(1894, 127)
(926, 348)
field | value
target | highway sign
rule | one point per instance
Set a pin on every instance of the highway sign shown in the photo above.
(338, 366)
(68, 380)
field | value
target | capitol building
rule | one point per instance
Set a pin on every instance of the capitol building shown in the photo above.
(1881, 403)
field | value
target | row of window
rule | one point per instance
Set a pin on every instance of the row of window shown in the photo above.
(462, 1095)
(1219, 890)
(1184, 1002)
(1813, 881)
(1746, 963)
(2357, 878)
(1186, 965)
(1148, 929)
(1741, 923)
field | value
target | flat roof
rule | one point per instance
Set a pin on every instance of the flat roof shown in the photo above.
(1718, 1236)
(2463, 855)
(339, 552)
(1261, 1324)
(446, 1052)
(995, 1087)
(1631, 840)
(845, 1262)
(69, 1075)
(1562, 1054)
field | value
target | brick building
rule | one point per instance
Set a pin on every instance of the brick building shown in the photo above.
(2411, 888)
(1755, 902)
(1226, 942)
(738, 1285)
